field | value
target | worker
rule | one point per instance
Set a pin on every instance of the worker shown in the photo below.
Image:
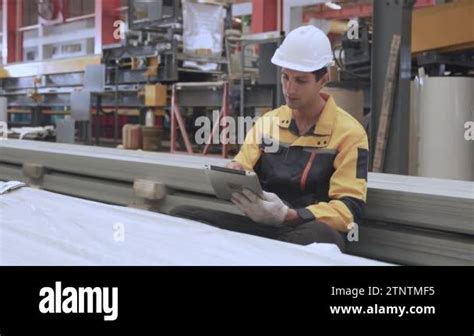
(315, 183)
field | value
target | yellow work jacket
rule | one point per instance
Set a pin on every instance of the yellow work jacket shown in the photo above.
(322, 174)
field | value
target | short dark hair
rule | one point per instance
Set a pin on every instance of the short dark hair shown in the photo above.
(320, 73)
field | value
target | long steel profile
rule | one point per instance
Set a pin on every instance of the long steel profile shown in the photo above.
(410, 220)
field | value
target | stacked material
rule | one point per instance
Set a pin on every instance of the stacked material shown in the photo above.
(416, 220)
(445, 205)
(410, 220)
(108, 175)
(42, 228)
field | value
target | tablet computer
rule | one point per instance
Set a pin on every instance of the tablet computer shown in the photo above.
(226, 181)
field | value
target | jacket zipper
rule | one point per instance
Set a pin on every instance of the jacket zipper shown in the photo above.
(307, 168)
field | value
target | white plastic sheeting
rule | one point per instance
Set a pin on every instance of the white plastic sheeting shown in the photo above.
(203, 28)
(10, 186)
(42, 228)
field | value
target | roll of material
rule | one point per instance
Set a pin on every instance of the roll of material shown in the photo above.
(443, 107)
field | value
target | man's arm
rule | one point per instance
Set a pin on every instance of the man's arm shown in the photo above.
(235, 165)
(250, 151)
(348, 186)
(292, 218)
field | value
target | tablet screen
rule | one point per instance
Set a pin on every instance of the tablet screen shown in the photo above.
(226, 181)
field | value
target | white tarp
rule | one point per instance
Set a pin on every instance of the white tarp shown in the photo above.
(203, 29)
(43, 228)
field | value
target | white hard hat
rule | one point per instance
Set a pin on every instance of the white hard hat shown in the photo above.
(305, 49)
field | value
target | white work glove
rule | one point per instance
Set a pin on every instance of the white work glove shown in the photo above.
(269, 209)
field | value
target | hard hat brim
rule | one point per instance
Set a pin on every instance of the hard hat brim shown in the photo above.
(299, 67)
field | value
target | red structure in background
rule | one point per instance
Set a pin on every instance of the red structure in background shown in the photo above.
(13, 14)
(110, 14)
(264, 15)
(350, 11)
(13, 40)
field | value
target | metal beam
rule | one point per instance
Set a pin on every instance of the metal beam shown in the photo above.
(392, 17)
(352, 11)
(410, 220)
(444, 26)
(437, 204)
(412, 246)
(31, 69)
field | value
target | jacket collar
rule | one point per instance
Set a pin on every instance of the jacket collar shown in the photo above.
(324, 125)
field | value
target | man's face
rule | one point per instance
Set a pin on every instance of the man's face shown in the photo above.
(300, 88)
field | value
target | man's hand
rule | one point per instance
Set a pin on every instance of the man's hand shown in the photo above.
(269, 209)
(234, 165)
